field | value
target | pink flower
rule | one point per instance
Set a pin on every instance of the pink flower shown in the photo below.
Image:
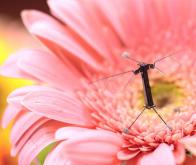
(85, 41)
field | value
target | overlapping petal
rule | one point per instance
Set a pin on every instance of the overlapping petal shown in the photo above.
(80, 23)
(58, 39)
(190, 144)
(27, 132)
(179, 153)
(10, 113)
(35, 144)
(11, 69)
(59, 106)
(162, 155)
(88, 147)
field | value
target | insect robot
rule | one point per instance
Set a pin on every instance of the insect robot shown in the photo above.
(143, 71)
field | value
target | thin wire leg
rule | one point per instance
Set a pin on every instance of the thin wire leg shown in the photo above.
(161, 118)
(127, 129)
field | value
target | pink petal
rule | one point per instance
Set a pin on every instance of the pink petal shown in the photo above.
(10, 67)
(10, 113)
(25, 137)
(190, 144)
(35, 144)
(162, 155)
(193, 119)
(87, 14)
(17, 95)
(190, 161)
(126, 154)
(31, 16)
(178, 11)
(22, 125)
(69, 132)
(179, 153)
(57, 35)
(51, 71)
(135, 160)
(95, 147)
(58, 106)
(112, 13)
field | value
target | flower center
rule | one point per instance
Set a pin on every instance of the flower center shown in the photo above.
(165, 94)
(116, 111)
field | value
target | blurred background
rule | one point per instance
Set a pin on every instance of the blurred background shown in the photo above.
(13, 36)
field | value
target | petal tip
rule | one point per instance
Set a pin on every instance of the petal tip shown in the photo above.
(25, 15)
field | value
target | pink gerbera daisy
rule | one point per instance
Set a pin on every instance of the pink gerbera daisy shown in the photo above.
(85, 40)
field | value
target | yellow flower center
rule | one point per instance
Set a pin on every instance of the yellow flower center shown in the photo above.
(165, 94)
